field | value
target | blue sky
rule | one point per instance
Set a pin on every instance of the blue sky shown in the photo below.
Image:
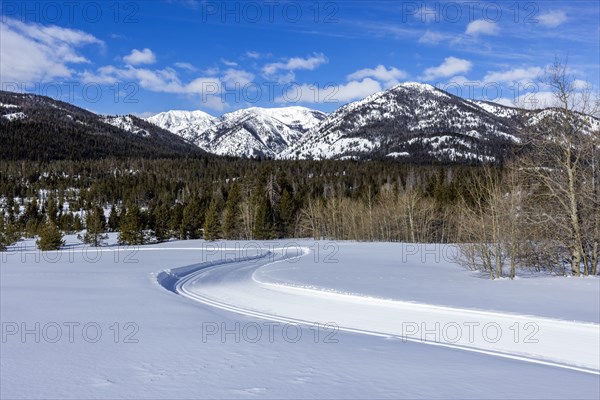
(145, 57)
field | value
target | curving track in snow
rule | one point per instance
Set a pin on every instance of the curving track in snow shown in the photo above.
(231, 285)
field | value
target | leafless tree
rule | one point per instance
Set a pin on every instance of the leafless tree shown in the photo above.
(562, 161)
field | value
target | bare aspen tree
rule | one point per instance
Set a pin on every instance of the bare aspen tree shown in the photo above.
(312, 219)
(560, 162)
(490, 223)
(248, 215)
(482, 247)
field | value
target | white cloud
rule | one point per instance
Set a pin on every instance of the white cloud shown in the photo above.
(553, 19)
(389, 76)
(450, 67)
(253, 54)
(138, 57)
(430, 37)
(203, 85)
(272, 70)
(163, 80)
(331, 94)
(530, 74)
(482, 27)
(185, 66)
(580, 84)
(215, 103)
(34, 53)
(205, 88)
(211, 71)
(380, 73)
(536, 100)
(504, 101)
(309, 63)
(229, 63)
(234, 77)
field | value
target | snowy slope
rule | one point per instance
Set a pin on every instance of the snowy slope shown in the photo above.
(79, 133)
(187, 124)
(260, 131)
(126, 123)
(14, 116)
(244, 133)
(167, 350)
(408, 118)
(238, 287)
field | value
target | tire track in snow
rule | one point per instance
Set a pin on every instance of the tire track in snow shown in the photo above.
(230, 285)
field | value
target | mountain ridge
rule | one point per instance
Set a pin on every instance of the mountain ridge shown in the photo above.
(48, 129)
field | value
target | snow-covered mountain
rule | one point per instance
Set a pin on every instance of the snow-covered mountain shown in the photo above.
(410, 120)
(126, 123)
(187, 124)
(248, 132)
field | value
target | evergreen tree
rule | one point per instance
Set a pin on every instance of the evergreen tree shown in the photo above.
(3, 236)
(161, 219)
(95, 224)
(287, 213)
(131, 230)
(66, 222)
(231, 222)
(32, 228)
(10, 208)
(8, 233)
(113, 219)
(263, 227)
(77, 225)
(50, 237)
(11, 233)
(192, 220)
(175, 221)
(31, 218)
(212, 223)
(52, 209)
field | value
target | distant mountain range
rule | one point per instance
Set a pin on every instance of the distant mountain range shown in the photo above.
(412, 122)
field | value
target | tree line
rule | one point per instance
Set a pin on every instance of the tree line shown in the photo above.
(539, 211)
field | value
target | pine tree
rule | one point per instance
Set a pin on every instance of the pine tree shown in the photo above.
(52, 209)
(66, 222)
(175, 221)
(3, 236)
(263, 227)
(212, 224)
(95, 224)
(31, 218)
(31, 228)
(131, 230)
(161, 218)
(11, 233)
(50, 237)
(77, 225)
(287, 213)
(231, 222)
(193, 218)
(113, 219)
(8, 233)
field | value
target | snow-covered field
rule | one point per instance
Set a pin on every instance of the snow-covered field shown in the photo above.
(288, 319)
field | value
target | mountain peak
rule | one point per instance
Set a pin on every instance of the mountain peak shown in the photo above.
(247, 132)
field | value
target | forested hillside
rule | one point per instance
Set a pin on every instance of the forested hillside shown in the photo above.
(40, 128)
